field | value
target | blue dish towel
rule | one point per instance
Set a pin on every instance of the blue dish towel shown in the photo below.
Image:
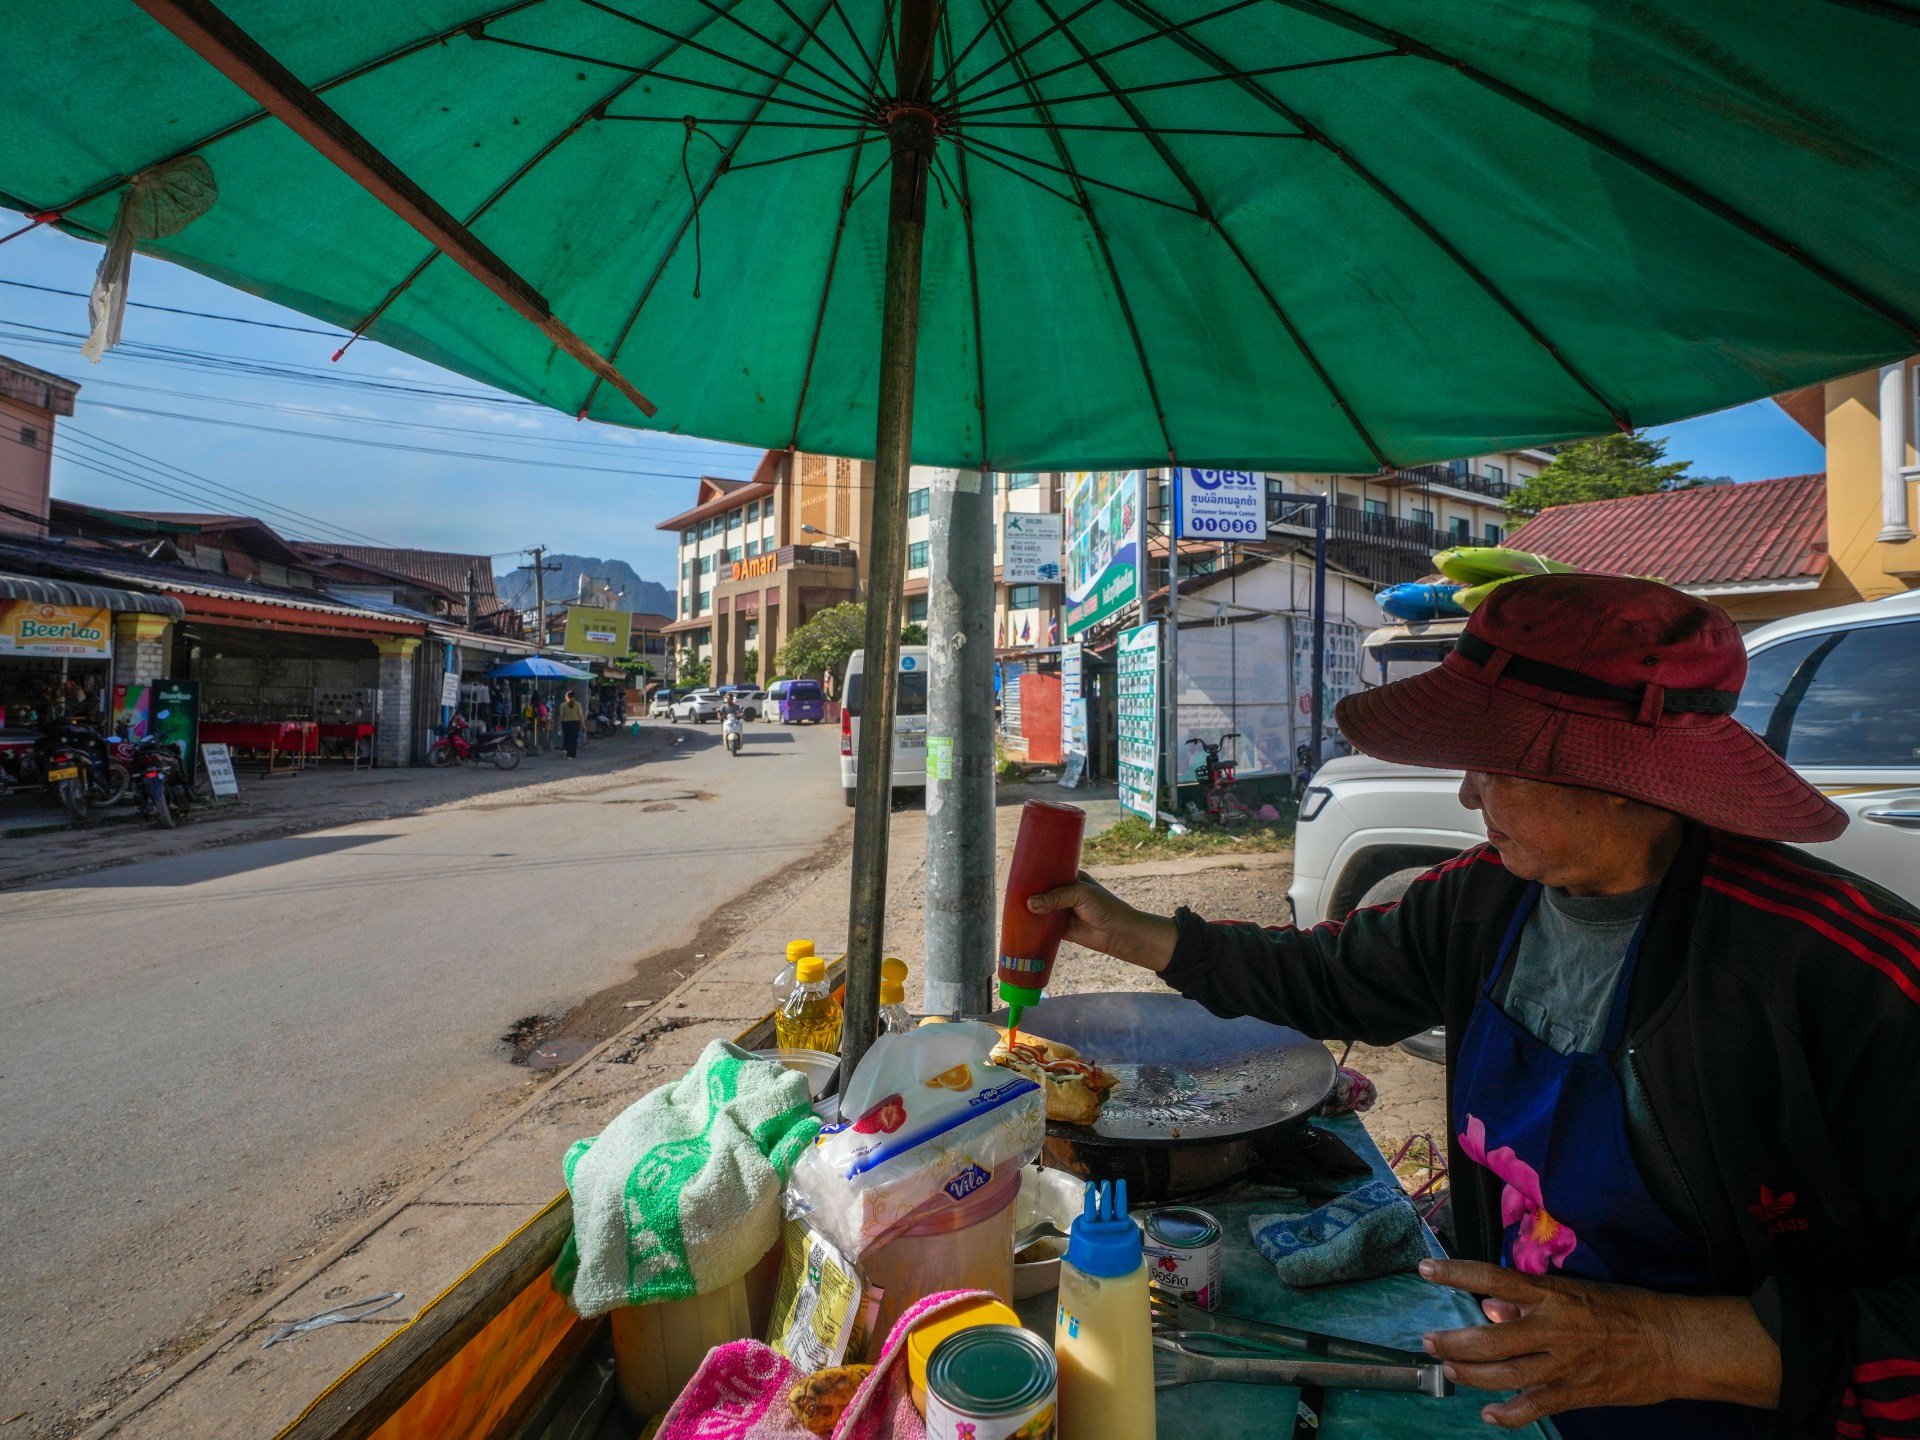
(1368, 1232)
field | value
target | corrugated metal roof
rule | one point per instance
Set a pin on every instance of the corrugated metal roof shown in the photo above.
(1762, 530)
(39, 591)
(442, 568)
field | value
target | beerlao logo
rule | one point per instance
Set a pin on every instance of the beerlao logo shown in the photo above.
(49, 623)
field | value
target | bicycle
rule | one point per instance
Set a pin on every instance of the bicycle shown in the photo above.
(1219, 804)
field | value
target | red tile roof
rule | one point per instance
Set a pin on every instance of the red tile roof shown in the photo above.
(1751, 533)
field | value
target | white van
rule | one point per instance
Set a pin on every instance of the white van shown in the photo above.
(909, 723)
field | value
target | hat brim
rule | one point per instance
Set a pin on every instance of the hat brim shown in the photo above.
(1708, 768)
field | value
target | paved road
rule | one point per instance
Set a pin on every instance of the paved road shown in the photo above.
(209, 1061)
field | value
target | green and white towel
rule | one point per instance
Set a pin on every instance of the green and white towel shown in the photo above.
(680, 1195)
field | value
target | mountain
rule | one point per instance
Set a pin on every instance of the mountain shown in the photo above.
(516, 586)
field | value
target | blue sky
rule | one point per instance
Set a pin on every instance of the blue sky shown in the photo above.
(529, 475)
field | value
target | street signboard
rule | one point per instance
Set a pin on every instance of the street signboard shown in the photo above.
(592, 630)
(176, 716)
(78, 631)
(449, 689)
(1073, 707)
(1137, 661)
(1105, 539)
(1030, 549)
(219, 762)
(1222, 504)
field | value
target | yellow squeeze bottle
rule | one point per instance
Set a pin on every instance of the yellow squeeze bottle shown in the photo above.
(1103, 1332)
(810, 1018)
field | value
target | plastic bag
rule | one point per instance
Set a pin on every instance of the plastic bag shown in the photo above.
(930, 1116)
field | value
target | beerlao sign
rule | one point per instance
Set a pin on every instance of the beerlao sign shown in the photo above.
(78, 631)
(756, 566)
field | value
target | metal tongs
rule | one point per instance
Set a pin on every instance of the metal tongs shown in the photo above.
(1187, 1350)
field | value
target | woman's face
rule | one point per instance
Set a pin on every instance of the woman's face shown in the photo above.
(1565, 836)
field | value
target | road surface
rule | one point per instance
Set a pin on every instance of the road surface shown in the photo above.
(213, 1062)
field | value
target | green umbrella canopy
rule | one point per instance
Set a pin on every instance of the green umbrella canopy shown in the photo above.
(1274, 232)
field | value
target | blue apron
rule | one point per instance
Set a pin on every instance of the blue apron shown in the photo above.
(1553, 1129)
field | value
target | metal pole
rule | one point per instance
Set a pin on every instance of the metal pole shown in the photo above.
(910, 131)
(1319, 630)
(1173, 644)
(960, 920)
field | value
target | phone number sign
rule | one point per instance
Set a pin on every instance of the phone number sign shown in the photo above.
(1222, 504)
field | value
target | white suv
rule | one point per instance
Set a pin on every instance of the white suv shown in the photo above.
(1835, 691)
(697, 705)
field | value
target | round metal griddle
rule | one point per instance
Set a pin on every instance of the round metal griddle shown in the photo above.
(1199, 1097)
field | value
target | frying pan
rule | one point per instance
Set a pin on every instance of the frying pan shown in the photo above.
(1200, 1099)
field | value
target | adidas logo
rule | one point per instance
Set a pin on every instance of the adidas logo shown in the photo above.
(1775, 1213)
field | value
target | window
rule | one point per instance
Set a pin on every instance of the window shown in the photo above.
(1459, 468)
(1496, 533)
(1839, 697)
(686, 569)
(909, 699)
(1461, 529)
(1374, 507)
(1423, 517)
(1023, 480)
(1496, 473)
(753, 548)
(917, 555)
(706, 564)
(688, 537)
(1024, 597)
(706, 599)
(919, 501)
(736, 518)
(917, 609)
(753, 511)
(29, 436)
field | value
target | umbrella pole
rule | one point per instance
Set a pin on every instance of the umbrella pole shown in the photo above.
(910, 128)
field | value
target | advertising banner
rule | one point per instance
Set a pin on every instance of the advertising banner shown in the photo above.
(79, 631)
(1105, 526)
(1030, 549)
(1073, 705)
(176, 715)
(594, 631)
(1222, 504)
(219, 762)
(132, 711)
(1138, 664)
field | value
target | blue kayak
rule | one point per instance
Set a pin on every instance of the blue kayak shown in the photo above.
(1421, 600)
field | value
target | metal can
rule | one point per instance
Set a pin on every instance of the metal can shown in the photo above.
(993, 1382)
(1183, 1254)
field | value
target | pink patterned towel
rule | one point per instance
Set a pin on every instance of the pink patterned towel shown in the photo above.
(740, 1391)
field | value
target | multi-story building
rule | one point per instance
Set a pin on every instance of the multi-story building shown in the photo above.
(31, 401)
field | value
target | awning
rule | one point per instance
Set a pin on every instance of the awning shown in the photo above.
(66, 592)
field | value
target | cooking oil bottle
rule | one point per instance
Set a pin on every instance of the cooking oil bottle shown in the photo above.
(783, 981)
(894, 1019)
(810, 1020)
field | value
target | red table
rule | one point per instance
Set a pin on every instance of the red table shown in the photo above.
(352, 732)
(300, 738)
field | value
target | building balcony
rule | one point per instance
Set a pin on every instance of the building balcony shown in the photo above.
(1454, 476)
(1384, 549)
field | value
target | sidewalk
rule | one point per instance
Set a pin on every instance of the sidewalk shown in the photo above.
(37, 844)
(428, 1237)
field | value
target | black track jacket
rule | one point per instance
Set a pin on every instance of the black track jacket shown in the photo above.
(1774, 1030)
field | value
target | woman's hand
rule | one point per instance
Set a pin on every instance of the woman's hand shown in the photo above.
(1104, 922)
(1568, 1344)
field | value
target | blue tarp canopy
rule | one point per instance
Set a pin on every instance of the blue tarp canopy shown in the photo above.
(537, 667)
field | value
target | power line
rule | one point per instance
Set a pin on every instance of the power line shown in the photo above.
(335, 334)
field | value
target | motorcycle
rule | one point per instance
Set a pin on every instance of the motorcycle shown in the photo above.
(733, 731)
(600, 725)
(162, 790)
(76, 765)
(503, 747)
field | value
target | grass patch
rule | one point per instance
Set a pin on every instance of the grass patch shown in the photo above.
(1131, 840)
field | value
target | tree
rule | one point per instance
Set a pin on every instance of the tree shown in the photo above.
(824, 644)
(749, 665)
(693, 669)
(1605, 468)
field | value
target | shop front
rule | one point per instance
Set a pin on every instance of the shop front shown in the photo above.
(763, 600)
(64, 646)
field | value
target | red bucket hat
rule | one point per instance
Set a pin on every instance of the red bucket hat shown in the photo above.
(1621, 685)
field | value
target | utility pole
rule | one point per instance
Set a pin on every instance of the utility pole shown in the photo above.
(540, 572)
(472, 581)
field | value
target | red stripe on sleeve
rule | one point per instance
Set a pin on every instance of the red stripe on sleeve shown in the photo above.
(1814, 922)
(1871, 1370)
(1863, 915)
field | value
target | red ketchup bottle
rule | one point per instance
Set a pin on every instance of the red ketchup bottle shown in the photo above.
(1046, 855)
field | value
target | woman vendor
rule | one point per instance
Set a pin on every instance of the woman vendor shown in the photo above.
(1683, 1058)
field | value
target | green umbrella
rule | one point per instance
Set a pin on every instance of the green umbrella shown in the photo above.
(1271, 233)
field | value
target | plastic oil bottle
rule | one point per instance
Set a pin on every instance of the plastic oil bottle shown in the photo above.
(783, 981)
(810, 1019)
(894, 1019)
(1103, 1333)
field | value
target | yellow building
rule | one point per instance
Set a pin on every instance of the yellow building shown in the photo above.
(1870, 424)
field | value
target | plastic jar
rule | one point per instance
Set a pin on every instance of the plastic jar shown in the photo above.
(946, 1244)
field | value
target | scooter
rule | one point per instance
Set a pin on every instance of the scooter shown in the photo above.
(161, 787)
(600, 725)
(76, 765)
(502, 746)
(733, 731)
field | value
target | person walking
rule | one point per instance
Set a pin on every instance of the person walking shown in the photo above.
(571, 718)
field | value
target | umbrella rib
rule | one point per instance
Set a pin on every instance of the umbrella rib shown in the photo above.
(1627, 155)
(660, 269)
(779, 77)
(976, 111)
(1100, 238)
(1127, 129)
(1884, 9)
(1033, 180)
(1072, 174)
(996, 22)
(1158, 33)
(854, 35)
(793, 57)
(849, 196)
(411, 48)
(803, 154)
(833, 54)
(956, 61)
(1180, 173)
(598, 108)
(1394, 198)
(973, 262)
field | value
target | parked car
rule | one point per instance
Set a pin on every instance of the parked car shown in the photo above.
(752, 702)
(795, 701)
(1837, 692)
(698, 706)
(909, 724)
(661, 706)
